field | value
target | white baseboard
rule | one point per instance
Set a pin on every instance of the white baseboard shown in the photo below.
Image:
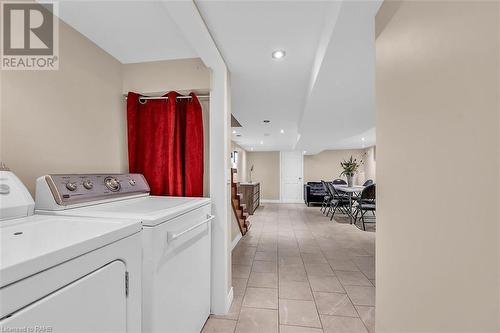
(236, 240)
(269, 201)
(229, 301)
(293, 201)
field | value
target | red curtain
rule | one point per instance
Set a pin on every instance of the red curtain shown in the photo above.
(165, 143)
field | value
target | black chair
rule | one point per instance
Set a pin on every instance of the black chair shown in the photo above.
(355, 197)
(368, 182)
(339, 181)
(338, 201)
(326, 198)
(366, 203)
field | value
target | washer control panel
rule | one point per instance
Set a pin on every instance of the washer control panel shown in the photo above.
(71, 189)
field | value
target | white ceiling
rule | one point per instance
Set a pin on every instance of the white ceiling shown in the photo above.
(321, 94)
(131, 31)
(340, 108)
(247, 32)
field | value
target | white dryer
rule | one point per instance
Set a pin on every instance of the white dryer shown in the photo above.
(66, 274)
(176, 241)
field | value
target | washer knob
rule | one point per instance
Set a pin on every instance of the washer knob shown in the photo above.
(88, 184)
(71, 186)
(131, 182)
(112, 184)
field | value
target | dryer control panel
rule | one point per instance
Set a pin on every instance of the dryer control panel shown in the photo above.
(70, 189)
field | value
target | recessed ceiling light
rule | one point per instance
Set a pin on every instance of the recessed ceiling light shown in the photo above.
(261, 142)
(234, 131)
(278, 54)
(362, 139)
(305, 151)
(282, 131)
(266, 121)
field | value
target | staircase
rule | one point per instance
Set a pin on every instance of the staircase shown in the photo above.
(239, 209)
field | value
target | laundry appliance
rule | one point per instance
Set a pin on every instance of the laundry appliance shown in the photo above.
(176, 241)
(63, 273)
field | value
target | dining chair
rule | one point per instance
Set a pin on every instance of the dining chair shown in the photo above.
(338, 201)
(339, 181)
(327, 197)
(368, 182)
(366, 203)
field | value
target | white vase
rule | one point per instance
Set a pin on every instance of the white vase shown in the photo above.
(350, 180)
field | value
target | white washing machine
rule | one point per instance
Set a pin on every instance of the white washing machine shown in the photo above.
(176, 241)
(66, 274)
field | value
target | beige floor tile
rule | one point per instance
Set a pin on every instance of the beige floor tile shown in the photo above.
(336, 324)
(257, 320)
(318, 269)
(214, 325)
(284, 241)
(298, 313)
(265, 298)
(313, 258)
(326, 284)
(340, 264)
(241, 271)
(295, 290)
(292, 273)
(299, 329)
(361, 295)
(265, 267)
(266, 256)
(286, 261)
(244, 250)
(367, 314)
(243, 259)
(334, 304)
(289, 252)
(352, 278)
(234, 310)
(263, 280)
(239, 286)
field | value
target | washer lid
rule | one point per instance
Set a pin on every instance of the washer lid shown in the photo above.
(15, 200)
(35, 243)
(151, 210)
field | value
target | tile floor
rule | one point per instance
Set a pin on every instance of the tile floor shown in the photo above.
(297, 272)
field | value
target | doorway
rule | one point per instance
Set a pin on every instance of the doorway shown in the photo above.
(292, 176)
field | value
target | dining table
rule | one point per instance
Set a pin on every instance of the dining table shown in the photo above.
(354, 190)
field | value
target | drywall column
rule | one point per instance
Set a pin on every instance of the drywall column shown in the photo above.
(437, 86)
(188, 19)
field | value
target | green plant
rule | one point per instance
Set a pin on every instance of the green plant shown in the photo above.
(350, 166)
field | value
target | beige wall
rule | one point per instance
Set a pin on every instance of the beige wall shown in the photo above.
(369, 163)
(437, 88)
(73, 119)
(326, 165)
(266, 171)
(69, 120)
(161, 76)
(183, 76)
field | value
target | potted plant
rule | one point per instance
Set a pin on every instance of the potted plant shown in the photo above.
(350, 167)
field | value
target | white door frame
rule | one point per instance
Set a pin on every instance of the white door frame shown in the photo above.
(301, 198)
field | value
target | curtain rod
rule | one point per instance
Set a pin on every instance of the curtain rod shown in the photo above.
(166, 97)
